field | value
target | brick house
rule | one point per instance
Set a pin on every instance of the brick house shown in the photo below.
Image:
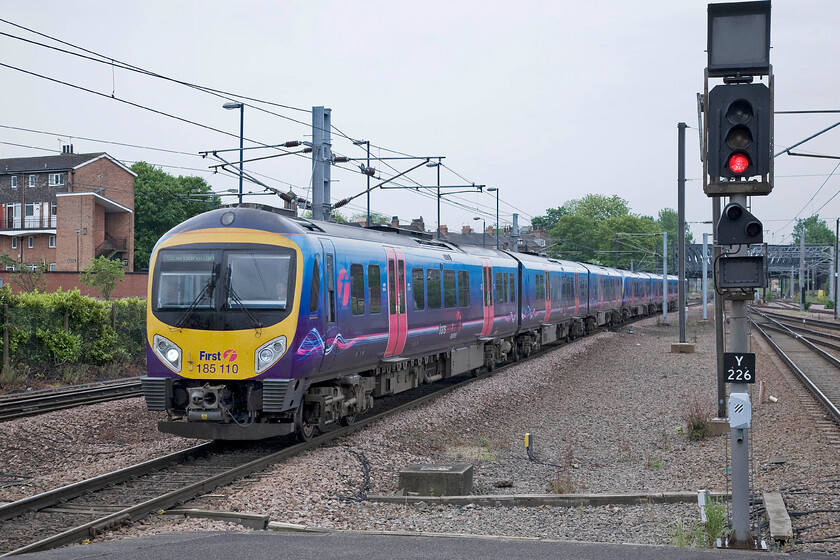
(62, 211)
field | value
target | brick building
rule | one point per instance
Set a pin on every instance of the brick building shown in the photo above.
(62, 211)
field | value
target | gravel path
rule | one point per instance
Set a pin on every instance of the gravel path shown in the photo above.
(606, 414)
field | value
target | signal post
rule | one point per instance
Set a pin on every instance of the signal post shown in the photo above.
(738, 163)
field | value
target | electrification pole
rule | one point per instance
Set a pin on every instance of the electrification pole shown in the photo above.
(321, 158)
(681, 226)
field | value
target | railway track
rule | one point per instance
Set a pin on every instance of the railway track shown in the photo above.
(82, 510)
(38, 402)
(810, 354)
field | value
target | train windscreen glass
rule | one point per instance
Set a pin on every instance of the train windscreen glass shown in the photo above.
(186, 279)
(258, 280)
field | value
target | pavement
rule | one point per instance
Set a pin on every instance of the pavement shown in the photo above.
(271, 545)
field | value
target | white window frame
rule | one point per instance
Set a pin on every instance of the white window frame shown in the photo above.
(53, 267)
(30, 242)
(14, 181)
(14, 242)
(32, 181)
(54, 209)
(56, 179)
(51, 242)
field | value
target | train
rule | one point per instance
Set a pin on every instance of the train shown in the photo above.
(261, 323)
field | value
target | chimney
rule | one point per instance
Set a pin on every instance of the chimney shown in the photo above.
(395, 222)
(444, 230)
(67, 149)
(466, 230)
(419, 224)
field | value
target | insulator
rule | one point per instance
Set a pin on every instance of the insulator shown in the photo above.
(368, 171)
(341, 159)
(307, 150)
(292, 144)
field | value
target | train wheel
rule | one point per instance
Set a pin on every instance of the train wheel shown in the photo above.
(303, 430)
(348, 420)
(514, 352)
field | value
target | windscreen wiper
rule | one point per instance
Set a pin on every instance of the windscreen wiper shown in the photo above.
(206, 291)
(255, 323)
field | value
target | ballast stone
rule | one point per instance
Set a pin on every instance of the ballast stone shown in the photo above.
(450, 479)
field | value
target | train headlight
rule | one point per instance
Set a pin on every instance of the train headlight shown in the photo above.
(168, 352)
(268, 354)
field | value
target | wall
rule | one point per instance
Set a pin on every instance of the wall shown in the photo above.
(134, 284)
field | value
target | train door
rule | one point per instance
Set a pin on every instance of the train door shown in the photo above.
(330, 332)
(397, 322)
(487, 296)
(547, 296)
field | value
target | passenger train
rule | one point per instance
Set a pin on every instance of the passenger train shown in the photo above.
(263, 324)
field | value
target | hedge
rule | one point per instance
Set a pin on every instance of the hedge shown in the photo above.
(69, 328)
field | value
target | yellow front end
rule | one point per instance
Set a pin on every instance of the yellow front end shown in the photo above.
(211, 355)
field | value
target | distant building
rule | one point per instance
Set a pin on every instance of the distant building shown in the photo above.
(64, 210)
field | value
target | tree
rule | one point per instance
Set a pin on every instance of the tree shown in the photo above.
(552, 216)
(375, 218)
(102, 274)
(161, 202)
(669, 222)
(29, 277)
(816, 231)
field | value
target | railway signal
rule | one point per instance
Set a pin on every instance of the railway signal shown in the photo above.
(739, 130)
(737, 226)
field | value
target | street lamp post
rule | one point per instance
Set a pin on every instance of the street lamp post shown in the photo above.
(241, 107)
(483, 231)
(496, 190)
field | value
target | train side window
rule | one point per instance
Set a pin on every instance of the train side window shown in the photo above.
(540, 286)
(357, 289)
(500, 288)
(433, 287)
(418, 282)
(374, 289)
(487, 279)
(330, 276)
(392, 287)
(449, 294)
(315, 293)
(512, 283)
(401, 280)
(505, 287)
(463, 288)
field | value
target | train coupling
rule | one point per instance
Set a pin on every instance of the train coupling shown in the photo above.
(207, 403)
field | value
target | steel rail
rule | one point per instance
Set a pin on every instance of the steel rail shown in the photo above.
(194, 490)
(191, 491)
(20, 406)
(830, 407)
(802, 320)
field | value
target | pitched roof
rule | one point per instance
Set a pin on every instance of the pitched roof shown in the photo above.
(63, 162)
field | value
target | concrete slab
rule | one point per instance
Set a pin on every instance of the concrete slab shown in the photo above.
(452, 479)
(780, 526)
(718, 427)
(682, 348)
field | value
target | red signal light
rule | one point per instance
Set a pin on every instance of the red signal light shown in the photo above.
(738, 163)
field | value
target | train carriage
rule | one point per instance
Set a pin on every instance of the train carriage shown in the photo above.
(262, 324)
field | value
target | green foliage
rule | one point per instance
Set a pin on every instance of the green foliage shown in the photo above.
(715, 522)
(669, 222)
(69, 328)
(161, 203)
(102, 274)
(697, 413)
(375, 218)
(816, 232)
(63, 347)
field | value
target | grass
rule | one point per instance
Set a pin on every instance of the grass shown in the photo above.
(697, 414)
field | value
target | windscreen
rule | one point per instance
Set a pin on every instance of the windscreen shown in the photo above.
(258, 280)
(222, 287)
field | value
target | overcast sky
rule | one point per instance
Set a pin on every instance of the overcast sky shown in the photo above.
(547, 101)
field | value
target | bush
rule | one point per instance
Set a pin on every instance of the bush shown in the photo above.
(69, 328)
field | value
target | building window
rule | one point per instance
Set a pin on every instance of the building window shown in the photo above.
(53, 268)
(14, 181)
(56, 179)
(54, 209)
(14, 242)
(30, 242)
(32, 180)
(52, 242)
